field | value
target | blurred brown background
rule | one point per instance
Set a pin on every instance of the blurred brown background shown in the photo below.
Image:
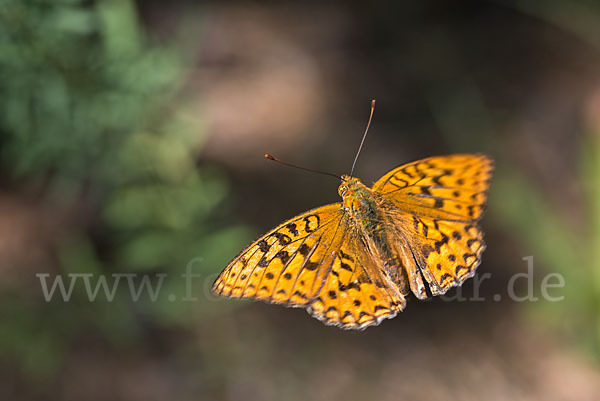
(132, 142)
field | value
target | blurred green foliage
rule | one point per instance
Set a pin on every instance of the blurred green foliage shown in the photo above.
(559, 248)
(85, 118)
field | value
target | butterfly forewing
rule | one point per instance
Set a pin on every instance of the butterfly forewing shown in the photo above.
(445, 187)
(283, 265)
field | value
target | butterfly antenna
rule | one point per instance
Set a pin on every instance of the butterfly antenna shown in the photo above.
(268, 156)
(363, 138)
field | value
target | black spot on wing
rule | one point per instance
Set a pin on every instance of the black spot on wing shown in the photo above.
(343, 287)
(282, 238)
(284, 256)
(459, 268)
(311, 266)
(438, 244)
(346, 266)
(346, 256)
(445, 277)
(292, 228)
(304, 250)
(300, 294)
(263, 246)
(468, 255)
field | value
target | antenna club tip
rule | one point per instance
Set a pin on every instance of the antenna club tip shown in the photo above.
(268, 156)
(373, 102)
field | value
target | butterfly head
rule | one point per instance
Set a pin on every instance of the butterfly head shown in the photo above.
(348, 185)
(353, 192)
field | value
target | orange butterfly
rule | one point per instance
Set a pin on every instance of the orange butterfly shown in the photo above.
(352, 264)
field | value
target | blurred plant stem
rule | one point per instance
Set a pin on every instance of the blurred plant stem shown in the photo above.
(590, 171)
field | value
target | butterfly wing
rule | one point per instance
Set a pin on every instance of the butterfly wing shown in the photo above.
(356, 293)
(444, 188)
(449, 254)
(433, 206)
(315, 260)
(285, 265)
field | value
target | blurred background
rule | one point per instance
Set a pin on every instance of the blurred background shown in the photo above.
(132, 137)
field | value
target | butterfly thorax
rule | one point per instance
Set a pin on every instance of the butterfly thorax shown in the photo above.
(360, 203)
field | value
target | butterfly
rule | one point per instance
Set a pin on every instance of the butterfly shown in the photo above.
(353, 263)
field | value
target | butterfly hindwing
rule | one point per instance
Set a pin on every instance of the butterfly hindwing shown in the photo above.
(449, 254)
(356, 293)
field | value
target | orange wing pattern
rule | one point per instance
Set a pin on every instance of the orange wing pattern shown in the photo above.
(435, 204)
(287, 264)
(444, 188)
(444, 253)
(449, 255)
(314, 261)
(357, 293)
